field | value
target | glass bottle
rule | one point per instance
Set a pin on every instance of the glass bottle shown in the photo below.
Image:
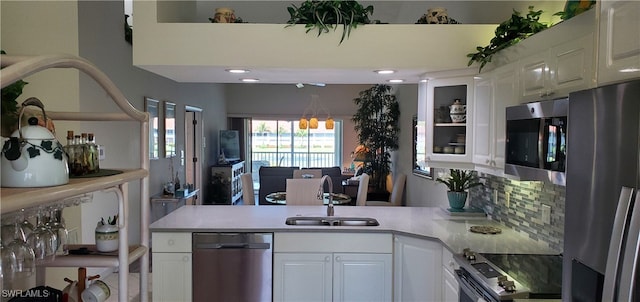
(93, 151)
(86, 155)
(69, 150)
(77, 156)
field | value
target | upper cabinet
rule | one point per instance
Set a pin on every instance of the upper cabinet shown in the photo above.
(494, 91)
(619, 47)
(448, 120)
(559, 70)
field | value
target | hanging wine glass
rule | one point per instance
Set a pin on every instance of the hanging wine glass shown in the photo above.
(25, 224)
(11, 231)
(18, 260)
(42, 240)
(56, 224)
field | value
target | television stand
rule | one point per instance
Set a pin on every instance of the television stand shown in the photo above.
(231, 192)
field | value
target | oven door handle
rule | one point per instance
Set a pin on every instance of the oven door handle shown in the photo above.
(468, 290)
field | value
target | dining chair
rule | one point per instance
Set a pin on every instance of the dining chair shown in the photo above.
(303, 191)
(315, 173)
(248, 195)
(363, 188)
(396, 193)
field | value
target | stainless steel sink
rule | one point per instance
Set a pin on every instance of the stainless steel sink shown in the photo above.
(331, 220)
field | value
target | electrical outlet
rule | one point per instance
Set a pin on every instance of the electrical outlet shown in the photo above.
(507, 199)
(546, 214)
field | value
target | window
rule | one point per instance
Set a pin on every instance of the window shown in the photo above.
(283, 143)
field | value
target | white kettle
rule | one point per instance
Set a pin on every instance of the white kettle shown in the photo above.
(32, 156)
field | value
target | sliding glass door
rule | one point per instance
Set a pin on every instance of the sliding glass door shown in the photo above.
(283, 143)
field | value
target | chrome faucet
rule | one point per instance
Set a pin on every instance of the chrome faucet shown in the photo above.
(324, 179)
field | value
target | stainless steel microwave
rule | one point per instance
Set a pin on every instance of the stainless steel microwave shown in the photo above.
(536, 142)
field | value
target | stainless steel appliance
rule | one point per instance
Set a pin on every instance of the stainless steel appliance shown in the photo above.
(232, 266)
(504, 277)
(603, 174)
(536, 141)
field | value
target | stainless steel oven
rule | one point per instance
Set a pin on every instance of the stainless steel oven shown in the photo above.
(504, 277)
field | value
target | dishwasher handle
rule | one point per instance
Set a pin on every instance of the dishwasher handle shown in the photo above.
(212, 246)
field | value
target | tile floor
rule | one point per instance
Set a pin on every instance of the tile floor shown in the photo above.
(134, 287)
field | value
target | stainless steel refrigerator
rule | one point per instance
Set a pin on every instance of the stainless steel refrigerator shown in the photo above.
(603, 178)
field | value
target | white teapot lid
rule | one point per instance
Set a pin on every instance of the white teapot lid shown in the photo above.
(33, 131)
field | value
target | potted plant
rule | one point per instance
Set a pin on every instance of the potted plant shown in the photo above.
(324, 15)
(9, 108)
(509, 33)
(458, 182)
(377, 124)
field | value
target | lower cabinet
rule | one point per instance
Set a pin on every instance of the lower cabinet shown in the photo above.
(417, 269)
(332, 277)
(450, 287)
(332, 267)
(172, 265)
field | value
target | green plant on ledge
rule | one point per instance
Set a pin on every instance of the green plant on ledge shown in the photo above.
(325, 15)
(508, 33)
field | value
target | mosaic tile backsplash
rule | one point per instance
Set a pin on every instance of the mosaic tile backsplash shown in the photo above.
(524, 212)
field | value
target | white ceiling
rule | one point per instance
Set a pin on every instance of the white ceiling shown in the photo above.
(394, 12)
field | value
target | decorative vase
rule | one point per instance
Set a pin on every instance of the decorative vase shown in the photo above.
(224, 15)
(458, 112)
(437, 15)
(457, 199)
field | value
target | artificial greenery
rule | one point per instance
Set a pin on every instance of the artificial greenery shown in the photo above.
(509, 33)
(325, 15)
(9, 108)
(460, 180)
(377, 124)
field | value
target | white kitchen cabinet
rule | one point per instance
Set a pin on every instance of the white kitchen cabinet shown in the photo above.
(619, 41)
(171, 277)
(494, 92)
(302, 277)
(450, 286)
(332, 277)
(80, 189)
(559, 70)
(417, 269)
(332, 267)
(172, 266)
(448, 144)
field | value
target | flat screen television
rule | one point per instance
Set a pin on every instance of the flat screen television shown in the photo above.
(230, 144)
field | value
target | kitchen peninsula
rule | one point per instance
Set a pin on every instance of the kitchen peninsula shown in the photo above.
(437, 234)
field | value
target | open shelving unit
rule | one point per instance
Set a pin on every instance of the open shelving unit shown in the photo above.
(15, 199)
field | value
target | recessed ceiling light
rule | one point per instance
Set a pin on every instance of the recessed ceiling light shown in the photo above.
(423, 81)
(237, 70)
(249, 80)
(396, 81)
(384, 71)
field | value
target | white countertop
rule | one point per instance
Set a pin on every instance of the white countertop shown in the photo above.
(424, 222)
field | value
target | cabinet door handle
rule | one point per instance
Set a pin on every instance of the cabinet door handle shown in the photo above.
(327, 259)
(338, 259)
(171, 242)
(185, 259)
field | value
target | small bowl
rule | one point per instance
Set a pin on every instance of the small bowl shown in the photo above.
(448, 150)
(458, 150)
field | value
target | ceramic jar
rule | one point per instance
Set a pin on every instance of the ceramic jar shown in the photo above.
(437, 15)
(107, 237)
(458, 112)
(224, 15)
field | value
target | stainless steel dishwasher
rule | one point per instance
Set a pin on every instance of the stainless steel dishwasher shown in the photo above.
(232, 266)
